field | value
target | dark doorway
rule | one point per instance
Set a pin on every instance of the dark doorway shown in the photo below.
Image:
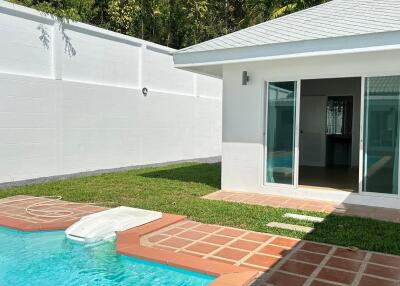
(339, 122)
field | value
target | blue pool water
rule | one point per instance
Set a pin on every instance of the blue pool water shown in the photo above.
(286, 161)
(48, 258)
(283, 161)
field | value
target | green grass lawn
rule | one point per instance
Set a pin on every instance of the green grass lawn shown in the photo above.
(178, 189)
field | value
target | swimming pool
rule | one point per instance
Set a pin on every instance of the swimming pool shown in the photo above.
(48, 258)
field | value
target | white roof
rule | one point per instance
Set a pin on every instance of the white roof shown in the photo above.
(337, 19)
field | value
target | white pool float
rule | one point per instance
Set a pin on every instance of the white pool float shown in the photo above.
(104, 225)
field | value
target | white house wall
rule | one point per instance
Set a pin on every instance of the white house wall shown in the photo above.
(71, 100)
(243, 110)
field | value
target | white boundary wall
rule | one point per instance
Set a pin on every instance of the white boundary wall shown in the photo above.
(71, 100)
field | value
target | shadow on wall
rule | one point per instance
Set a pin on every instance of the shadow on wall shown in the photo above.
(45, 37)
(207, 174)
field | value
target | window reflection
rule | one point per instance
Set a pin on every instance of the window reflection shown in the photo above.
(381, 134)
(281, 110)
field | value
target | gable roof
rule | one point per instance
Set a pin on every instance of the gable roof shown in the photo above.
(337, 19)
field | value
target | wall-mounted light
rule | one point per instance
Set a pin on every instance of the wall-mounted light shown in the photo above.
(245, 78)
(145, 91)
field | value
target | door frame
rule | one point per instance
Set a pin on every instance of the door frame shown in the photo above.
(362, 171)
(295, 185)
(361, 140)
(297, 136)
(360, 197)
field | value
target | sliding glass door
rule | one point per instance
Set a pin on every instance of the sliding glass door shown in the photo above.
(280, 132)
(381, 135)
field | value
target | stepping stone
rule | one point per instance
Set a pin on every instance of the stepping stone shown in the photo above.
(294, 227)
(304, 217)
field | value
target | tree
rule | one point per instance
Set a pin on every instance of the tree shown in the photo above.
(173, 23)
(290, 6)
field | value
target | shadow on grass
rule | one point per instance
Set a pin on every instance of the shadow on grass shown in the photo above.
(207, 174)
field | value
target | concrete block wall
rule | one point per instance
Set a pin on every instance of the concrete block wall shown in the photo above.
(71, 100)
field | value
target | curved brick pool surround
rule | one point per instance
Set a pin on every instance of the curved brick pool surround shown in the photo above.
(13, 215)
(235, 256)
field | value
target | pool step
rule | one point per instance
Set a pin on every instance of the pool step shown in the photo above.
(105, 225)
(304, 217)
(294, 227)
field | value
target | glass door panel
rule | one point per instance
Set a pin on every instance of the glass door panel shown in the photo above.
(281, 129)
(381, 135)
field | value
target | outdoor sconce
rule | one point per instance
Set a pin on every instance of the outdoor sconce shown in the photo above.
(245, 78)
(145, 91)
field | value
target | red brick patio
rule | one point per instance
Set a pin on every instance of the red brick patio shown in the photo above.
(237, 257)
(385, 214)
(282, 261)
(13, 213)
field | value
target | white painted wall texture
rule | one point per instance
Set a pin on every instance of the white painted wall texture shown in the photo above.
(71, 100)
(243, 116)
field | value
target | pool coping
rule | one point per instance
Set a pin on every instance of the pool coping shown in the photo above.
(128, 243)
(24, 225)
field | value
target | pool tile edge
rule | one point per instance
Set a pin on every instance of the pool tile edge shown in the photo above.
(236, 279)
(128, 243)
(23, 225)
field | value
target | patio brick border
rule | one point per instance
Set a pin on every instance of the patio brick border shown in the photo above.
(287, 202)
(23, 225)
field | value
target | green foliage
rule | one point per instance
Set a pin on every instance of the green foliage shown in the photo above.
(123, 14)
(173, 23)
(78, 10)
(290, 6)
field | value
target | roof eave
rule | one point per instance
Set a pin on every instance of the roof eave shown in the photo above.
(318, 47)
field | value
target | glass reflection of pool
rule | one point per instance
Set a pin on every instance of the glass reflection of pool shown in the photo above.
(47, 258)
(285, 161)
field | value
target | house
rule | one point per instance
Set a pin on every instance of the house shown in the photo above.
(311, 102)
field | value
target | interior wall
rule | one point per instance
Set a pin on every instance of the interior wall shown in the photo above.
(335, 87)
(312, 137)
